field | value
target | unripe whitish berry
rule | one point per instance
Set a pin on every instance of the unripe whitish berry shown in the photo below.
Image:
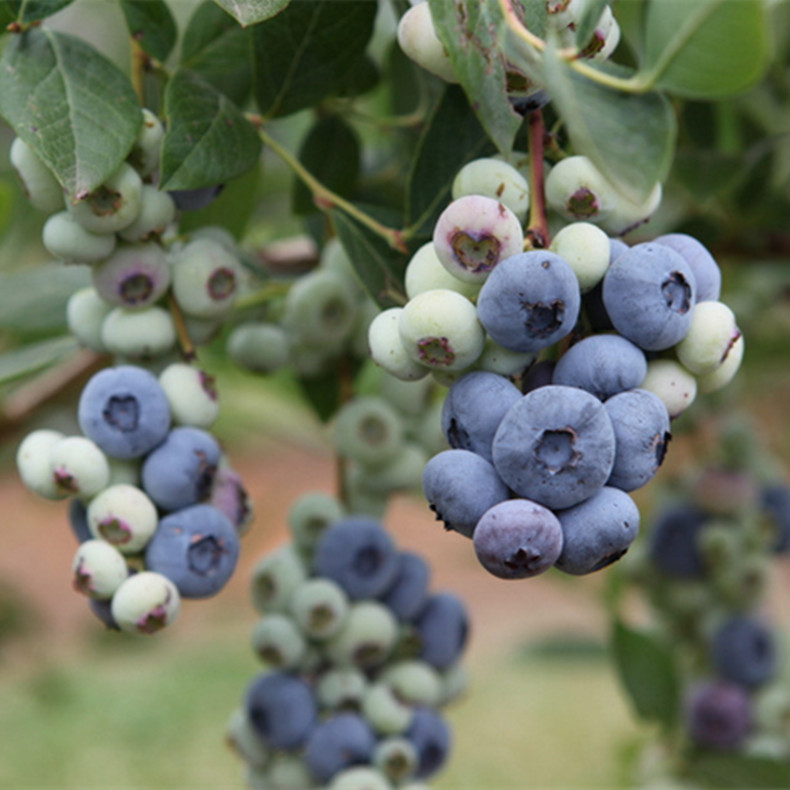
(147, 332)
(144, 156)
(417, 38)
(674, 385)
(67, 240)
(425, 272)
(157, 211)
(710, 338)
(258, 346)
(576, 190)
(191, 394)
(40, 185)
(99, 569)
(387, 349)
(586, 248)
(78, 467)
(32, 461)
(495, 179)
(124, 516)
(146, 603)
(85, 314)
(135, 276)
(111, 206)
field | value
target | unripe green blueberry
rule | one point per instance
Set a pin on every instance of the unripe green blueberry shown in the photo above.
(275, 579)
(145, 333)
(455, 683)
(409, 398)
(191, 394)
(135, 276)
(202, 330)
(674, 385)
(341, 688)
(439, 329)
(157, 211)
(385, 711)
(243, 739)
(319, 607)
(85, 314)
(99, 569)
(425, 272)
(396, 758)
(320, 309)
(78, 467)
(366, 638)
(403, 472)
(144, 156)
(146, 603)
(258, 346)
(503, 361)
(367, 310)
(361, 500)
(710, 337)
(218, 234)
(124, 516)
(310, 516)
(32, 462)
(628, 214)
(286, 771)
(68, 241)
(576, 190)
(387, 349)
(772, 709)
(427, 431)
(206, 278)
(368, 430)
(417, 38)
(725, 373)
(495, 179)
(473, 234)
(40, 185)
(605, 38)
(112, 206)
(360, 777)
(415, 682)
(587, 249)
(277, 640)
(335, 259)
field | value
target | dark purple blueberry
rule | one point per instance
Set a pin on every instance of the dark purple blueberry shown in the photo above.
(539, 375)
(743, 650)
(524, 105)
(460, 486)
(775, 503)
(78, 520)
(102, 609)
(442, 627)
(180, 471)
(674, 541)
(555, 446)
(125, 411)
(338, 742)
(197, 548)
(718, 715)
(432, 740)
(195, 199)
(598, 531)
(518, 539)
(281, 709)
(229, 495)
(359, 555)
(408, 592)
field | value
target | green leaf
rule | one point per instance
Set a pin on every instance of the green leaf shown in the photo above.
(34, 357)
(452, 136)
(26, 11)
(151, 25)
(705, 48)
(630, 138)
(305, 53)
(706, 173)
(215, 47)
(34, 300)
(737, 771)
(380, 268)
(648, 672)
(534, 14)
(361, 77)
(472, 32)
(208, 140)
(250, 12)
(76, 110)
(339, 171)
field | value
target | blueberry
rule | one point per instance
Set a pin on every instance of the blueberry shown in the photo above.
(134, 276)
(539, 375)
(649, 293)
(192, 395)
(281, 708)
(602, 365)
(494, 179)
(196, 199)
(576, 189)
(357, 554)
(460, 486)
(385, 710)
(587, 249)
(180, 471)
(710, 339)
(241, 737)
(65, 239)
(598, 531)
(674, 536)
(341, 688)
(197, 548)
(396, 758)
(229, 496)
(443, 628)
(555, 446)
(277, 641)
(530, 301)
(743, 650)
(78, 520)
(409, 589)
(368, 430)
(157, 211)
(418, 40)
(775, 504)
(518, 539)
(78, 467)
(124, 516)
(361, 777)
(415, 682)
(145, 603)
(366, 638)
(85, 314)
(275, 579)
(706, 271)
(319, 607)
(338, 742)
(718, 715)
(125, 411)
(99, 569)
(39, 183)
(310, 516)
(112, 206)
(641, 431)
(102, 610)
(431, 738)
(673, 384)
(473, 409)
(142, 333)
(144, 156)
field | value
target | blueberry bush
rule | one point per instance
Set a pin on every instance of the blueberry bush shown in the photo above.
(488, 242)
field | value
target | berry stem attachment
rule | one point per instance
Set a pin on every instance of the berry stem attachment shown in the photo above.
(324, 197)
(185, 341)
(537, 234)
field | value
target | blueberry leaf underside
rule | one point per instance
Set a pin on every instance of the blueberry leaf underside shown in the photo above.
(250, 12)
(71, 105)
(34, 357)
(208, 141)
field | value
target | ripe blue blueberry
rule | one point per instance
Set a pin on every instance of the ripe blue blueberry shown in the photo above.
(431, 738)
(598, 531)
(743, 650)
(555, 446)
(125, 411)
(530, 301)
(78, 520)
(180, 471)
(443, 628)
(674, 541)
(775, 503)
(408, 592)
(197, 548)
(706, 271)
(196, 199)
(338, 742)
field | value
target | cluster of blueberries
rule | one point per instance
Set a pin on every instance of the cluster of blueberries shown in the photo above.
(154, 504)
(705, 570)
(360, 657)
(127, 232)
